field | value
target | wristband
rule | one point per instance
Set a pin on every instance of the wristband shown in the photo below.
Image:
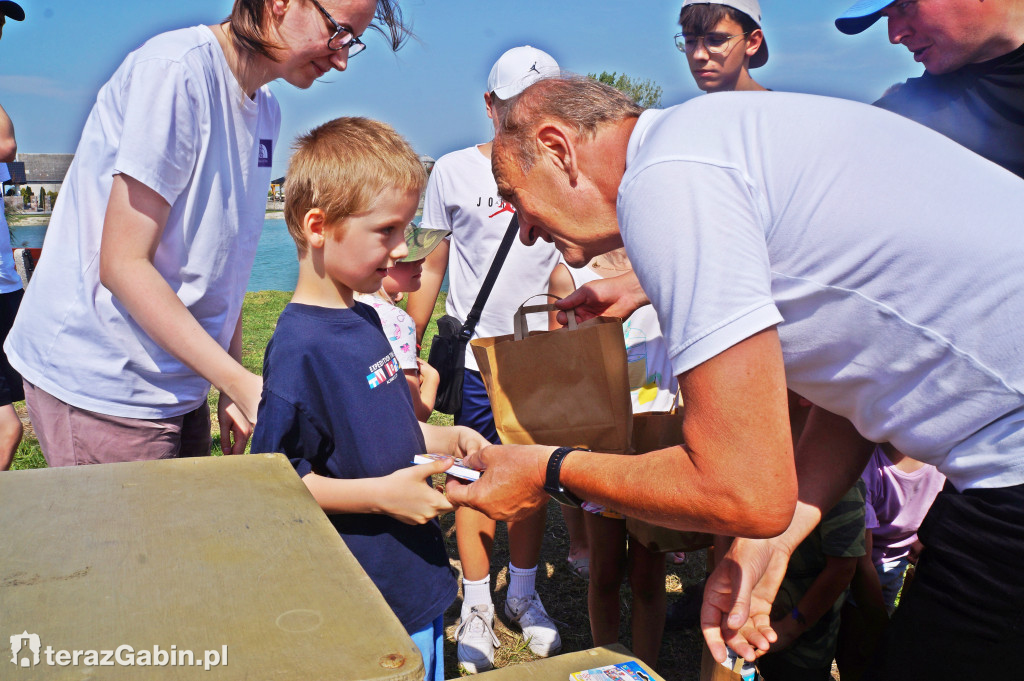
(798, 616)
(552, 482)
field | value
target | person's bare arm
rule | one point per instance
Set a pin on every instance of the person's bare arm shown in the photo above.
(403, 495)
(423, 383)
(420, 304)
(735, 475)
(830, 457)
(135, 219)
(8, 144)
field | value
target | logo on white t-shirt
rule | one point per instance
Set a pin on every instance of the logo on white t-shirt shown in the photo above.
(266, 154)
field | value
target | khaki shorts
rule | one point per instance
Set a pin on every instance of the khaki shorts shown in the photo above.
(70, 436)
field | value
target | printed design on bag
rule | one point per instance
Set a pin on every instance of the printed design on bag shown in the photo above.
(643, 386)
(384, 371)
(266, 158)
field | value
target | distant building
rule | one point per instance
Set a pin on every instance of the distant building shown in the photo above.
(45, 170)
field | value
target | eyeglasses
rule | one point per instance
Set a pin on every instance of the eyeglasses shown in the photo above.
(343, 36)
(714, 43)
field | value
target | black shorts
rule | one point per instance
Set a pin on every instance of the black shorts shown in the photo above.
(962, 617)
(11, 389)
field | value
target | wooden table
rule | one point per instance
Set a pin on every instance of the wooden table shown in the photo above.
(229, 555)
(559, 667)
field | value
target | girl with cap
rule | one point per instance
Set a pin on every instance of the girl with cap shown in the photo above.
(722, 41)
(136, 307)
(399, 327)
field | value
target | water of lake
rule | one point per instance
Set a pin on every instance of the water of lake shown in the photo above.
(276, 267)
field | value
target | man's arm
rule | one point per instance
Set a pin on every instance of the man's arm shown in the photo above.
(734, 476)
(135, 219)
(420, 304)
(830, 457)
(8, 145)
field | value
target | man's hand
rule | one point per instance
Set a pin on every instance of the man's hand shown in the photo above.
(512, 484)
(618, 296)
(738, 598)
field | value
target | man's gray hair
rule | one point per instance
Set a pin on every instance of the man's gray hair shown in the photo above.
(581, 103)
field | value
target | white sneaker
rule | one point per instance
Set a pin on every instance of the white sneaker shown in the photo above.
(539, 629)
(476, 639)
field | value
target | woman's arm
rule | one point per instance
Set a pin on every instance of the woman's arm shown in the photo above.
(135, 219)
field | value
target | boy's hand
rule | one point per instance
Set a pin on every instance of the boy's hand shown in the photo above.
(408, 499)
(468, 442)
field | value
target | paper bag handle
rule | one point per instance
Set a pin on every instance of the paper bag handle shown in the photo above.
(519, 321)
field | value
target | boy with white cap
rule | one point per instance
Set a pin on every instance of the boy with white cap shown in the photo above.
(462, 197)
(722, 41)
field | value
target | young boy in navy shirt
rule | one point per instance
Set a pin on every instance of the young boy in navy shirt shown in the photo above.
(334, 398)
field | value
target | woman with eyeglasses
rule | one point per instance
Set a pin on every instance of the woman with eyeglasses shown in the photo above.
(135, 307)
(722, 41)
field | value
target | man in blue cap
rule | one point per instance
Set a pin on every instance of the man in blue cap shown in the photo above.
(973, 53)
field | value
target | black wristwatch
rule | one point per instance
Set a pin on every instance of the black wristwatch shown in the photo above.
(552, 484)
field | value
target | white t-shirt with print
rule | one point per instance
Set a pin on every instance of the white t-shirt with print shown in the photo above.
(463, 197)
(398, 327)
(887, 255)
(652, 385)
(174, 118)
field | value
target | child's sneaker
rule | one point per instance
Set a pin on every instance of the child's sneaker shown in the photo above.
(476, 639)
(539, 629)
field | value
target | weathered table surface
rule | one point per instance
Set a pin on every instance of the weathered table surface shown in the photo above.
(559, 667)
(225, 557)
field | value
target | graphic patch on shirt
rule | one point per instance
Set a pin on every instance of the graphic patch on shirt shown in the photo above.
(266, 154)
(383, 371)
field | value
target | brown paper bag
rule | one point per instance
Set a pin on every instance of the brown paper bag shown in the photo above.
(652, 431)
(713, 671)
(568, 387)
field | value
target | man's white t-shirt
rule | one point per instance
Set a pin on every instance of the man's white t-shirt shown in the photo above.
(463, 197)
(888, 256)
(173, 117)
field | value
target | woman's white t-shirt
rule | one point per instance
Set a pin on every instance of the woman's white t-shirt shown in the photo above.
(173, 117)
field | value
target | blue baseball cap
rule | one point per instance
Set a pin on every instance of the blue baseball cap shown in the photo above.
(861, 16)
(12, 10)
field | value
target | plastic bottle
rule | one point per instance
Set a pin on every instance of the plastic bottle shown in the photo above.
(748, 672)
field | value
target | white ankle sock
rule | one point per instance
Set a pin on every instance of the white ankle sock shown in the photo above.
(522, 581)
(475, 593)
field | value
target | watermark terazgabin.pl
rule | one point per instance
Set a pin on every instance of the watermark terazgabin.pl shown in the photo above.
(27, 651)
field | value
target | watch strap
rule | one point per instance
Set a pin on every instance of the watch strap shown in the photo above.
(552, 482)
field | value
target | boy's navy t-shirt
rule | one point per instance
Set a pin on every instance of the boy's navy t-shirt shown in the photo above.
(337, 404)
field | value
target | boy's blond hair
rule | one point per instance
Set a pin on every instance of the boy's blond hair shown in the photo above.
(342, 166)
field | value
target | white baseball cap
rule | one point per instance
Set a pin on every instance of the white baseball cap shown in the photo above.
(749, 7)
(520, 68)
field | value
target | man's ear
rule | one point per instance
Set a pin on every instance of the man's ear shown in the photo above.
(556, 146)
(314, 226)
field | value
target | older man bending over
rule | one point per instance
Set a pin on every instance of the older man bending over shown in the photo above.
(866, 261)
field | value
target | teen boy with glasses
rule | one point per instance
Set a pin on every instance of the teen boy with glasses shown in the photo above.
(722, 41)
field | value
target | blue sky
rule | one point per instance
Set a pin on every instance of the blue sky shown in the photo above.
(52, 64)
